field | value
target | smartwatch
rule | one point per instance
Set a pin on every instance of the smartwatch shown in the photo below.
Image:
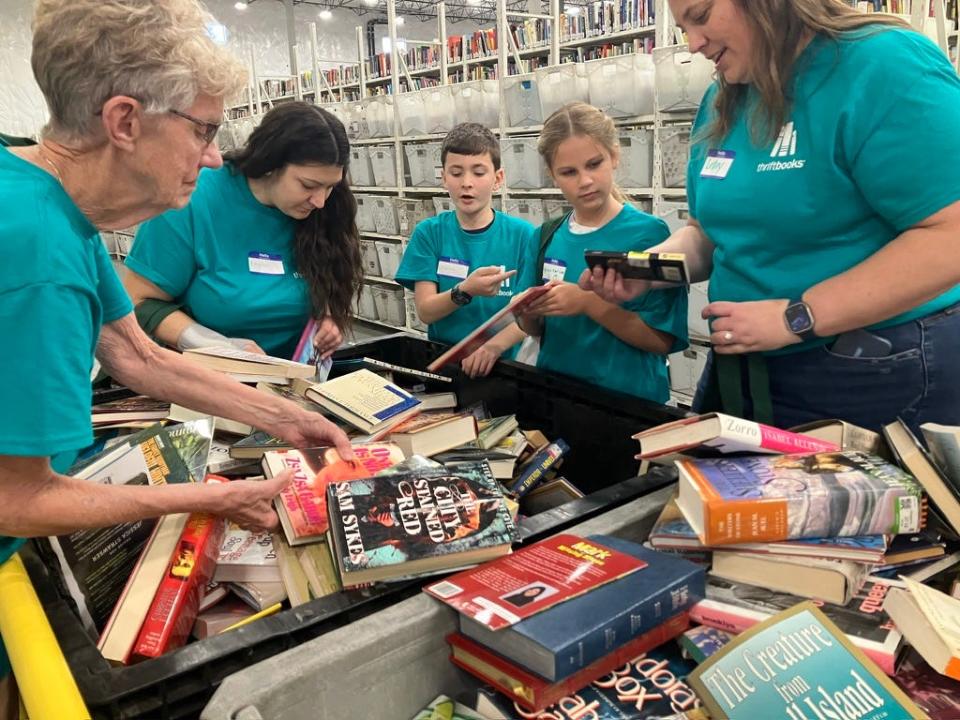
(460, 297)
(799, 319)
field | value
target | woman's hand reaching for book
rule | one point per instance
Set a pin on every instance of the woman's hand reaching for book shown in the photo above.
(303, 429)
(249, 503)
(327, 338)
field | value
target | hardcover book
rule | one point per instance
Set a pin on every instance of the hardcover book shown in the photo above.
(380, 366)
(797, 665)
(427, 520)
(724, 434)
(700, 642)
(253, 446)
(930, 620)
(365, 400)
(433, 432)
(936, 694)
(564, 638)
(846, 436)
(129, 409)
(537, 467)
(302, 505)
(246, 556)
(735, 607)
(228, 359)
(764, 498)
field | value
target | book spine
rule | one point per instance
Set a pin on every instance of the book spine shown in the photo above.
(534, 472)
(174, 608)
(651, 612)
(787, 443)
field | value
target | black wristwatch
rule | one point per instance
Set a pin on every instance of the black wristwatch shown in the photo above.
(460, 297)
(799, 319)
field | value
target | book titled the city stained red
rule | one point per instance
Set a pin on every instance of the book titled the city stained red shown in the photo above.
(504, 592)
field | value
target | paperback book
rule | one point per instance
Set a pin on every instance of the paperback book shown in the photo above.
(365, 400)
(228, 359)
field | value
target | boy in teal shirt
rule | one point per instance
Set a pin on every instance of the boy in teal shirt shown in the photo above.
(467, 264)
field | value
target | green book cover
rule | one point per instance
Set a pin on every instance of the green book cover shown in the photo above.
(797, 665)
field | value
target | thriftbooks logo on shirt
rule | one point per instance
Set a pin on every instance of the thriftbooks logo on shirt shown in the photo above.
(784, 147)
(505, 285)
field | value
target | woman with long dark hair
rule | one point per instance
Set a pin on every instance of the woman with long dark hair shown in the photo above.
(267, 242)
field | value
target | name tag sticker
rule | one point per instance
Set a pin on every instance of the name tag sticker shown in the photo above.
(554, 269)
(265, 263)
(453, 267)
(717, 164)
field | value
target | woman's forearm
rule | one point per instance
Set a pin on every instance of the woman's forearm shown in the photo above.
(695, 245)
(169, 329)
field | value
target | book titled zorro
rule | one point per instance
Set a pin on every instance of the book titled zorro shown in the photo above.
(419, 522)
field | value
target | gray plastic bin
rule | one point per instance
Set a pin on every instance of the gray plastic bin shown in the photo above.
(386, 666)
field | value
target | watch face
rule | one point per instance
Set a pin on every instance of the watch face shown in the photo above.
(798, 318)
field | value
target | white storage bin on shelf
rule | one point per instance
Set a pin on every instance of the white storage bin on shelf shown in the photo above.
(443, 203)
(674, 155)
(674, 213)
(390, 305)
(522, 99)
(423, 162)
(361, 171)
(522, 164)
(413, 115)
(366, 218)
(682, 78)
(697, 300)
(385, 216)
(622, 86)
(410, 212)
(438, 108)
(389, 254)
(686, 367)
(643, 205)
(529, 209)
(383, 162)
(413, 319)
(377, 113)
(560, 85)
(556, 208)
(636, 159)
(354, 121)
(368, 305)
(371, 261)
(477, 101)
(338, 110)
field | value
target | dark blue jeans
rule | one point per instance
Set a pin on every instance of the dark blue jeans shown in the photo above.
(919, 381)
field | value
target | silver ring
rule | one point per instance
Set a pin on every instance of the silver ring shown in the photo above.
(728, 337)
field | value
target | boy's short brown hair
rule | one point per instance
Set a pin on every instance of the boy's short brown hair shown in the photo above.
(471, 139)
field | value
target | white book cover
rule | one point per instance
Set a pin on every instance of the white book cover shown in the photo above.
(366, 395)
(246, 556)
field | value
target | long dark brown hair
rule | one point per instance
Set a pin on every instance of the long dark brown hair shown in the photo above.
(326, 242)
(779, 27)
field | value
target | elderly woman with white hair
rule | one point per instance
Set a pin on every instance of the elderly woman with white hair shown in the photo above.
(135, 90)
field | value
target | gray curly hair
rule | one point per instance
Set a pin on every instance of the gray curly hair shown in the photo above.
(157, 51)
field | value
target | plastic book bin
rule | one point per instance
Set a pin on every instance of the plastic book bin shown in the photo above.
(377, 114)
(675, 213)
(530, 209)
(383, 161)
(522, 99)
(681, 78)
(643, 205)
(556, 208)
(423, 162)
(410, 212)
(389, 254)
(597, 424)
(477, 101)
(368, 254)
(361, 171)
(442, 204)
(636, 159)
(438, 109)
(402, 647)
(413, 114)
(391, 305)
(622, 86)
(560, 85)
(413, 319)
(385, 216)
(675, 154)
(354, 122)
(366, 220)
(523, 167)
(686, 368)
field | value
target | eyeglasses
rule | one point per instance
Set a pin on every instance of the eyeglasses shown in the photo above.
(207, 131)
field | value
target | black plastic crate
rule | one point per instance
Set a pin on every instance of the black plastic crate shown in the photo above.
(596, 423)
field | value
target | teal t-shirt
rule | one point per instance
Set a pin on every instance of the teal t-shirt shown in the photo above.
(440, 251)
(228, 259)
(57, 288)
(871, 148)
(580, 347)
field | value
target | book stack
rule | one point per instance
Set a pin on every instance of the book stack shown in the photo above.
(565, 612)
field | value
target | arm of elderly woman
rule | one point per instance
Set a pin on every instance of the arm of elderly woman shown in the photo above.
(37, 501)
(133, 359)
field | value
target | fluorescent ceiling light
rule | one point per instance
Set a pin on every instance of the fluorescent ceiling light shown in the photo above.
(325, 14)
(371, 3)
(399, 19)
(572, 9)
(240, 5)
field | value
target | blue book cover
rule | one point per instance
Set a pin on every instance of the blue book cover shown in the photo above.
(797, 665)
(563, 639)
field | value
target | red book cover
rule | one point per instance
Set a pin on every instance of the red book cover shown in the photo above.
(532, 692)
(174, 608)
(302, 505)
(501, 593)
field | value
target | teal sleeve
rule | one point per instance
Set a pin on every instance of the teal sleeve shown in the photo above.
(419, 260)
(113, 297)
(902, 136)
(46, 412)
(164, 252)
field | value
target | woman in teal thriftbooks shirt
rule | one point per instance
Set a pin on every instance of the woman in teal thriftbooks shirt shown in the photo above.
(824, 189)
(267, 242)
